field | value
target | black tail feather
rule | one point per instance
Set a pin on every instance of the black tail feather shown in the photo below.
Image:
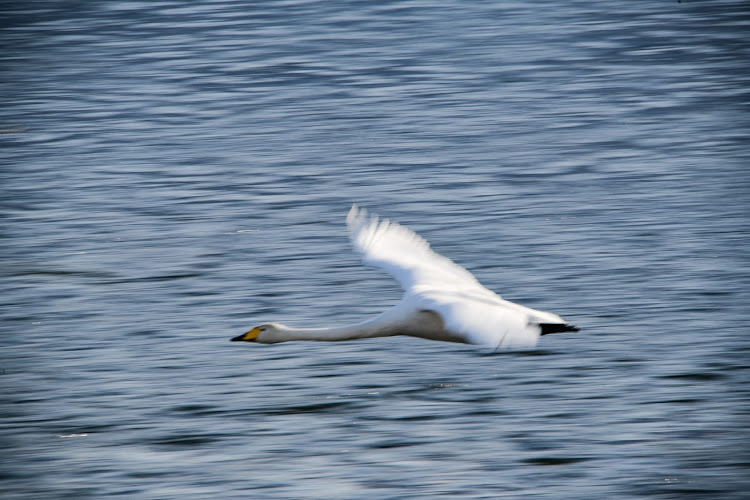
(548, 328)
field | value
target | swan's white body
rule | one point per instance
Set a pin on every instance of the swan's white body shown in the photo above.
(442, 300)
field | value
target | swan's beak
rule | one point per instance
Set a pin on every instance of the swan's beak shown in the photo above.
(250, 336)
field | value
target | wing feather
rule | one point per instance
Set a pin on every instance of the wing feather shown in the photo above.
(405, 255)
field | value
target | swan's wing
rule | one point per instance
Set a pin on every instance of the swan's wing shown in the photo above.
(433, 282)
(405, 255)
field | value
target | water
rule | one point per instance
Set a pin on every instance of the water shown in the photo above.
(174, 173)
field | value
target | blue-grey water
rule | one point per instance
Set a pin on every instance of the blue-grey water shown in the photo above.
(173, 173)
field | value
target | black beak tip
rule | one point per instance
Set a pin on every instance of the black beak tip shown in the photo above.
(238, 338)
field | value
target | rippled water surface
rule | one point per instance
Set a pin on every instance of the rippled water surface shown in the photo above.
(173, 173)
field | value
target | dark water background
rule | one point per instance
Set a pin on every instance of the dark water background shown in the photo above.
(175, 172)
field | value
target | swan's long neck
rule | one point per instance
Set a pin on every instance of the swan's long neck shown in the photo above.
(366, 329)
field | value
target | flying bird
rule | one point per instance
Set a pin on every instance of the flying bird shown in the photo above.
(441, 301)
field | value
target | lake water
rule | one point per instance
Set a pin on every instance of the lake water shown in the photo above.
(174, 173)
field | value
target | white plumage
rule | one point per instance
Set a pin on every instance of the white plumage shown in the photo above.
(442, 300)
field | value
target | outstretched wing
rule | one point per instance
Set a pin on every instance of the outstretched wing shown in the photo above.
(405, 255)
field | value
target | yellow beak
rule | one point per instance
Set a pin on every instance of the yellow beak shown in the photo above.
(250, 336)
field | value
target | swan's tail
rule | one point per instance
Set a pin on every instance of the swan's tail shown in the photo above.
(548, 328)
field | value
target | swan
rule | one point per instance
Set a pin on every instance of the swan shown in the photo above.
(441, 301)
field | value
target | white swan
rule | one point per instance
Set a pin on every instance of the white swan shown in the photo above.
(442, 300)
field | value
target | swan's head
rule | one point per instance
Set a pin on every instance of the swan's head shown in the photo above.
(267, 333)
